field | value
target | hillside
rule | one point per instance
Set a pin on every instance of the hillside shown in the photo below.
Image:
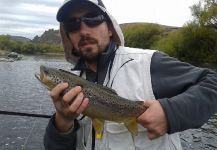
(20, 38)
(168, 28)
(51, 37)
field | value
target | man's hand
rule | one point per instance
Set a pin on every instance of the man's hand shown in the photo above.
(154, 119)
(68, 106)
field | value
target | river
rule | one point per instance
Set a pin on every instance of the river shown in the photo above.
(20, 91)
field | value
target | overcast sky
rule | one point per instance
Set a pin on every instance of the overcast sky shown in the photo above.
(29, 18)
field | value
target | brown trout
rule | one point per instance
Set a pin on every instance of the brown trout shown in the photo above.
(104, 103)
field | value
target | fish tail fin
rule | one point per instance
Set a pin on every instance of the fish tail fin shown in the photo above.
(131, 125)
(98, 126)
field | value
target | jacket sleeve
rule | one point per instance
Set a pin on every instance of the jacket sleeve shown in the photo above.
(55, 140)
(188, 94)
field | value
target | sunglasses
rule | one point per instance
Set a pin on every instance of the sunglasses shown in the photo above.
(73, 24)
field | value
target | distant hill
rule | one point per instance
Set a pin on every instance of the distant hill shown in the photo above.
(50, 36)
(168, 28)
(20, 38)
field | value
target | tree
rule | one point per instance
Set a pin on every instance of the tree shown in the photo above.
(205, 13)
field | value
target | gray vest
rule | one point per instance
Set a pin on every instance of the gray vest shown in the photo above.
(130, 77)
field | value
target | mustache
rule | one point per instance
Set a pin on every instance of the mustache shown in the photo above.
(86, 40)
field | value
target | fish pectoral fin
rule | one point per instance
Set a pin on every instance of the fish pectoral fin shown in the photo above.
(131, 125)
(98, 126)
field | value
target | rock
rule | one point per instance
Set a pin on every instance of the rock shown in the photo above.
(15, 56)
(10, 57)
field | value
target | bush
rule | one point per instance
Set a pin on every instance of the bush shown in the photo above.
(142, 35)
(192, 43)
(28, 47)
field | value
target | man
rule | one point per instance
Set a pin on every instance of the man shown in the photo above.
(178, 95)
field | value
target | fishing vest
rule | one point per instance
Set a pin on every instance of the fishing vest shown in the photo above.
(130, 77)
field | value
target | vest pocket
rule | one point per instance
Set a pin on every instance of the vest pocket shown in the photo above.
(119, 138)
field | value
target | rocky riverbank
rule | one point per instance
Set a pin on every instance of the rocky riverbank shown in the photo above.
(9, 56)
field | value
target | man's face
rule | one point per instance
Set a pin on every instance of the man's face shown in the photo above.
(89, 41)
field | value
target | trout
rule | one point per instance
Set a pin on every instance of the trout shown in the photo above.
(104, 102)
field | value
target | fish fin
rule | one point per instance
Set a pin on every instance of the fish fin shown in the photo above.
(98, 126)
(107, 89)
(132, 127)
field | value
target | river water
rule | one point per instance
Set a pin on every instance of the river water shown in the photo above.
(20, 91)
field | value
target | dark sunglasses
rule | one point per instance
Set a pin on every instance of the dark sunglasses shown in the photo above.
(74, 24)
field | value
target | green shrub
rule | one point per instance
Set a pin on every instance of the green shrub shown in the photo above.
(142, 35)
(28, 47)
(191, 43)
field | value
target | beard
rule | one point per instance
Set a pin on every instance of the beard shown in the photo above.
(90, 54)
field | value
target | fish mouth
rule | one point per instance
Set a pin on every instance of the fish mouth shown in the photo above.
(40, 76)
(37, 75)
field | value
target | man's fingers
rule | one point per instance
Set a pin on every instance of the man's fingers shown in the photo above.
(153, 134)
(148, 103)
(56, 91)
(71, 95)
(153, 119)
(143, 120)
(83, 105)
(76, 103)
